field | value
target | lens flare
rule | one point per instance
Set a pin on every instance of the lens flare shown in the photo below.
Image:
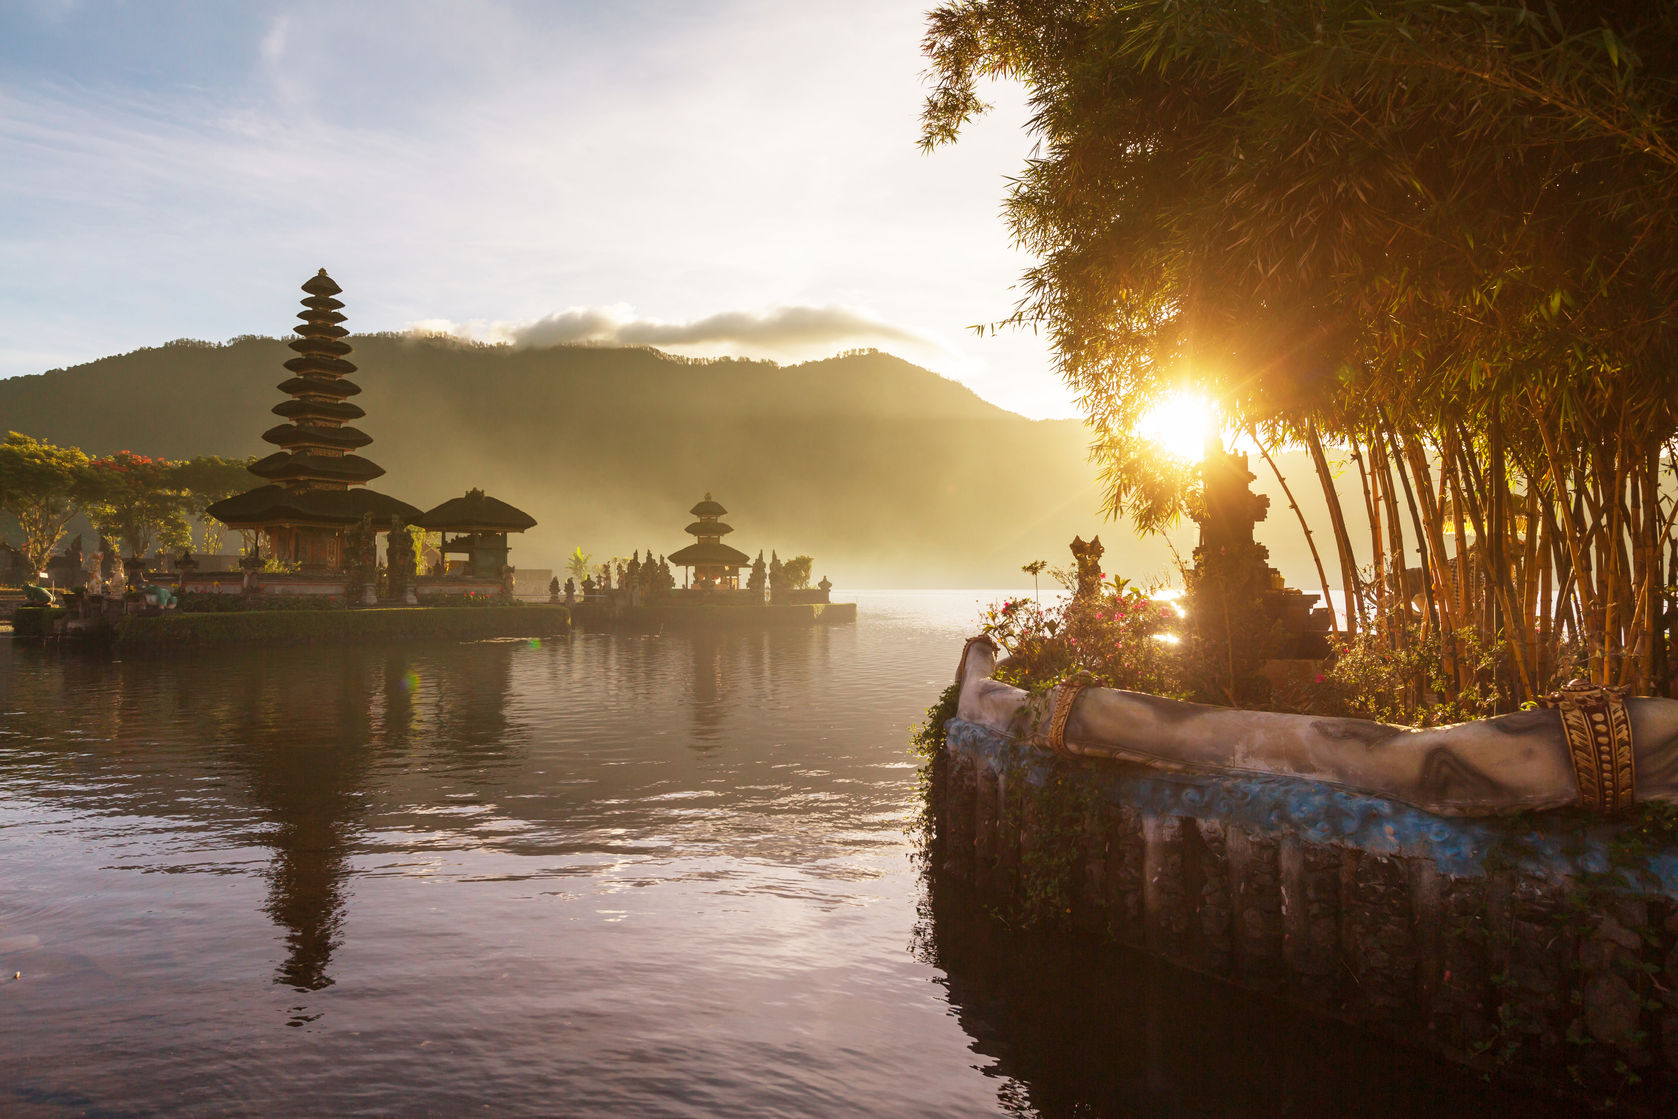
(1179, 424)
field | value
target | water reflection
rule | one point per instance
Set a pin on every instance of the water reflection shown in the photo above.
(1077, 1029)
(301, 738)
(607, 875)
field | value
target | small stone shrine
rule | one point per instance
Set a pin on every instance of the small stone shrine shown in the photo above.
(1232, 569)
(480, 525)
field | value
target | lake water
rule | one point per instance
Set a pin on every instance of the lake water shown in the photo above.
(602, 875)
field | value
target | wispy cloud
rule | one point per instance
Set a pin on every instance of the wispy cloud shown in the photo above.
(782, 332)
(177, 175)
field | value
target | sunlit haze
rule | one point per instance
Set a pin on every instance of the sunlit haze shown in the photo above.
(1179, 424)
(716, 179)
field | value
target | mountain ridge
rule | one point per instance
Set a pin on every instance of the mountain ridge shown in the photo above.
(885, 471)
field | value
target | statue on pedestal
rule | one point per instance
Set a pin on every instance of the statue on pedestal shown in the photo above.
(1088, 559)
(400, 561)
(361, 559)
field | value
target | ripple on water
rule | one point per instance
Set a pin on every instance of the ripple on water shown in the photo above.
(606, 875)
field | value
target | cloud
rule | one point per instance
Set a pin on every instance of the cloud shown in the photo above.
(790, 331)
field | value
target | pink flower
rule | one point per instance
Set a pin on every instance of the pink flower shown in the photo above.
(1318, 678)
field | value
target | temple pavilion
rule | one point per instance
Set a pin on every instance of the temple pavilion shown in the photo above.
(480, 525)
(711, 564)
(317, 481)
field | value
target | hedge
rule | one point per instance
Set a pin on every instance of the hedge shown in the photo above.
(179, 630)
(36, 621)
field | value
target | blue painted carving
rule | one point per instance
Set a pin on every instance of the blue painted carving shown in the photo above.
(1559, 845)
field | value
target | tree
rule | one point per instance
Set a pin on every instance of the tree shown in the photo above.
(1034, 569)
(42, 486)
(205, 480)
(1437, 235)
(576, 564)
(796, 572)
(138, 502)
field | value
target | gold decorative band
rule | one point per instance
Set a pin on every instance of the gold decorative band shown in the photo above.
(1598, 730)
(1065, 696)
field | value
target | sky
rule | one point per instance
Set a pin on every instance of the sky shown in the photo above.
(710, 178)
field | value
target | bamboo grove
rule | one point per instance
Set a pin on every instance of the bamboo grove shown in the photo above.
(1433, 244)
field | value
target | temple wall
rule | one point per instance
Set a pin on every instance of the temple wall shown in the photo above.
(1536, 947)
(426, 585)
(311, 585)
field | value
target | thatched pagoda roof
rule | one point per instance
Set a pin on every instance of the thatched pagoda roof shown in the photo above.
(302, 466)
(321, 284)
(320, 386)
(708, 508)
(708, 528)
(710, 553)
(335, 411)
(476, 512)
(267, 505)
(311, 435)
(320, 363)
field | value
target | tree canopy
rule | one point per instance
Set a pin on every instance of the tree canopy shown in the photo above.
(41, 485)
(133, 499)
(1439, 234)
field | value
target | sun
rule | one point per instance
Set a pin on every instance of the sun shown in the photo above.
(1179, 423)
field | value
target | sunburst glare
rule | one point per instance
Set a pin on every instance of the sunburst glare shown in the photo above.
(1179, 423)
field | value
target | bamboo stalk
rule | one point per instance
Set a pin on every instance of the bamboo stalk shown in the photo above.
(1310, 542)
(1342, 539)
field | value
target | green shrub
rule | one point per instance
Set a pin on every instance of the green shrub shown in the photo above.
(470, 598)
(199, 602)
(1119, 637)
(1409, 686)
(36, 621)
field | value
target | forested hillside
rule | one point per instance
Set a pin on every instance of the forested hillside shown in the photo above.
(885, 472)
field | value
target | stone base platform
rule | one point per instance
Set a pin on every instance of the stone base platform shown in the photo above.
(1539, 946)
(653, 619)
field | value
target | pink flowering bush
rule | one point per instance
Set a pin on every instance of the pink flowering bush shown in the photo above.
(1118, 636)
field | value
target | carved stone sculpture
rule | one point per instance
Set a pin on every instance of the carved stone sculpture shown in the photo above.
(1592, 756)
(1088, 559)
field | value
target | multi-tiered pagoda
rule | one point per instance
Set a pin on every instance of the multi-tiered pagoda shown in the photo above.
(714, 564)
(317, 481)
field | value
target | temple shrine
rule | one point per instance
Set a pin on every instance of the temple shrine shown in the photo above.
(480, 525)
(319, 521)
(711, 564)
(643, 596)
(317, 483)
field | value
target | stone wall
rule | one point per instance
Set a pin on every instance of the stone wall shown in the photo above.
(1541, 946)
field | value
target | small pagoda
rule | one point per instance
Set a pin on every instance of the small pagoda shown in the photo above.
(316, 489)
(711, 564)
